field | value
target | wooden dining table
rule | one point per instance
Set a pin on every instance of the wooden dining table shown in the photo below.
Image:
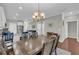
(2, 50)
(30, 46)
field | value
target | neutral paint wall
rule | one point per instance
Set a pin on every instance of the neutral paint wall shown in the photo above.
(30, 26)
(59, 26)
(56, 25)
(25, 26)
(13, 26)
(2, 18)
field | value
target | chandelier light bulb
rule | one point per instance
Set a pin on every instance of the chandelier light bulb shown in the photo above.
(38, 16)
(42, 14)
(33, 17)
(36, 13)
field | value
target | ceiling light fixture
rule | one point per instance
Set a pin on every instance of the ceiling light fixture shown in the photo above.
(17, 14)
(38, 15)
(70, 12)
(21, 8)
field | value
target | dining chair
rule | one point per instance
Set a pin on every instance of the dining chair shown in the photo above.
(47, 47)
(54, 47)
(24, 35)
(7, 38)
(30, 34)
(34, 34)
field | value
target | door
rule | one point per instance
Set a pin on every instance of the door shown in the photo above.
(72, 29)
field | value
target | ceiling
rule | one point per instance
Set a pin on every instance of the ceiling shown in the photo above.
(24, 11)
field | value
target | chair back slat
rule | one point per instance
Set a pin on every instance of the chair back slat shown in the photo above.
(54, 47)
(7, 38)
(25, 34)
(29, 34)
(47, 47)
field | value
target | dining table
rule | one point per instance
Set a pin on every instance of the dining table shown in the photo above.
(2, 50)
(30, 46)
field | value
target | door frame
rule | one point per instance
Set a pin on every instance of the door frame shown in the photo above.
(66, 23)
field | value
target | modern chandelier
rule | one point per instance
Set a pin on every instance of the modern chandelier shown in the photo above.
(38, 15)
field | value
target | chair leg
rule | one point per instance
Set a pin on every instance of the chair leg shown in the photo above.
(55, 52)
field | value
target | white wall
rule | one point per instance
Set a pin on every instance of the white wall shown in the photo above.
(56, 27)
(60, 26)
(25, 26)
(2, 18)
(13, 26)
(30, 25)
(40, 28)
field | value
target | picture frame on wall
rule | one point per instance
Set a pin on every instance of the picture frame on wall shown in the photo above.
(50, 24)
(33, 26)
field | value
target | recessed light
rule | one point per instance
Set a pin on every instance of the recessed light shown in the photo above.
(70, 12)
(20, 8)
(17, 14)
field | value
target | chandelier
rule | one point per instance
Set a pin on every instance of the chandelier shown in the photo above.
(38, 15)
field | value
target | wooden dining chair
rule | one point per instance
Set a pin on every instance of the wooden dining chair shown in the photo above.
(7, 38)
(47, 47)
(54, 47)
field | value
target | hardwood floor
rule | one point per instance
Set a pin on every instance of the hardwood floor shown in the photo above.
(71, 45)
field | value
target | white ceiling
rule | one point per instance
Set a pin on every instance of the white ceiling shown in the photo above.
(50, 9)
